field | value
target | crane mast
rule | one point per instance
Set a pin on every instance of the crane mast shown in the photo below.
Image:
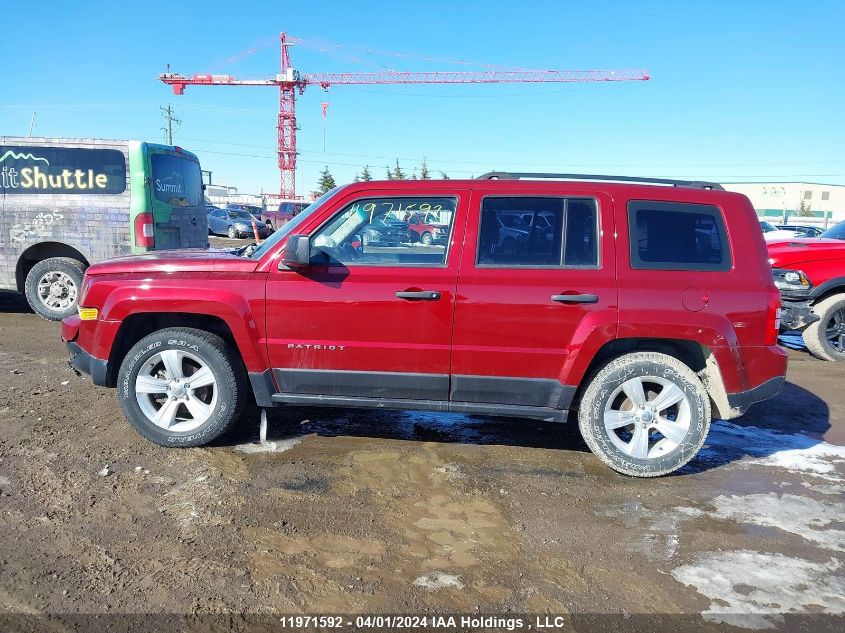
(290, 82)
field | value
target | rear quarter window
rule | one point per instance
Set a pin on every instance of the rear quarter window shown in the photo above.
(677, 236)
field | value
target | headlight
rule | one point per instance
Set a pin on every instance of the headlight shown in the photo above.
(241, 226)
(791, 279)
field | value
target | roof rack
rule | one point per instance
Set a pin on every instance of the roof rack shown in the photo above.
(508, 175)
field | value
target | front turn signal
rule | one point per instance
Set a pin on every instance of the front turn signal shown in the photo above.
(88, 314)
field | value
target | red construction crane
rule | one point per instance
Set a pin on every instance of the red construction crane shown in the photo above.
(289, 81)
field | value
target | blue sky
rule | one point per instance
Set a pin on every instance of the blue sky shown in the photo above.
(739, 90)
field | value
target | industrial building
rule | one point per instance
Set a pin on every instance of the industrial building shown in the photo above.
(823, 204)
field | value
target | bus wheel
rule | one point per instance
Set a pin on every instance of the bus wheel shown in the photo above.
(52, 287)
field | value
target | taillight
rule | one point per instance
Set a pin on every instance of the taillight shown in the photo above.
(772, 317)
(144, 233)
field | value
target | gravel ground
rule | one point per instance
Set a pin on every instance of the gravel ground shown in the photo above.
(352, 512)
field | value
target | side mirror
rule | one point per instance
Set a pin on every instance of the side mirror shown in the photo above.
(297, 253)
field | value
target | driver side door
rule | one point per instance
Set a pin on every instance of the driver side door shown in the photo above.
(368, 321)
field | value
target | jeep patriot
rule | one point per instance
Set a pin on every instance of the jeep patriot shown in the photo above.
(642, 307)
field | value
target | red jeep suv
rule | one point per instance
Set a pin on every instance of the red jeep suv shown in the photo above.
(646, 306)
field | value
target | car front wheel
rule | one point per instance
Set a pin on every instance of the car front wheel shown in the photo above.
(181, 387)
(645, 414)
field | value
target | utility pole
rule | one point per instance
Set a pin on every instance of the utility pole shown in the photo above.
(32, 125)
(168, 115)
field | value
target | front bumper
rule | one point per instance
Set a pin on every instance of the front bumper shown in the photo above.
(83, 363)
(796, 315)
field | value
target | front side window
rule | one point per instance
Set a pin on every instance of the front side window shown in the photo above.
(383, 232)
(677, 236)
(176, 181)
(538, 232)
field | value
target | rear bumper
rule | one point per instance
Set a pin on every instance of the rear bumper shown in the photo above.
(796, 315)
(740, 402)
(83, 363)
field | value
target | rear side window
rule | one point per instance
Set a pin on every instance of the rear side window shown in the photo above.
(677, 236)
(61, 170)
(538, 232)
(176, 181)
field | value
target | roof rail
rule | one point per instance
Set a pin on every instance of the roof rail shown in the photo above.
(508, 175)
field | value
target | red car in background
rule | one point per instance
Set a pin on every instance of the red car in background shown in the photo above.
(285, 213)
(425, 232)
(810, 274)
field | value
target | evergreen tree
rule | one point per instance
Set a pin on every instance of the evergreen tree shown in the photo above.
(366, 176)
(398, 174)
(389, 173)
(325, 182)
(444, 176)
(424, 173)
(414, 174)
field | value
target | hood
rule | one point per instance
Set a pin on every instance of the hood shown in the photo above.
(193, 260)
(798, 250)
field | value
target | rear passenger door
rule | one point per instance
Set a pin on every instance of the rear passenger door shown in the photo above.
(537, 284)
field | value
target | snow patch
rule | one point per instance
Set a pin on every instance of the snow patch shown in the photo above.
(795, 452)
(791, 513)
(438, 580)
(759, 588)
(268, 447)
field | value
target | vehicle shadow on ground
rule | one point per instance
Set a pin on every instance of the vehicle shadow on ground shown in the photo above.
(449, 428)
(14, 303)
(795, 419)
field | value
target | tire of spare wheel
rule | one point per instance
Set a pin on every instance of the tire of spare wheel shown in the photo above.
(68, 272)
(195, 348)
(816, 335)
(604, 397)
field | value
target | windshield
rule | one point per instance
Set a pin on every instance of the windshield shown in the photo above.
(239, 214)
(289, 226)
(835, 232)
(767, 228)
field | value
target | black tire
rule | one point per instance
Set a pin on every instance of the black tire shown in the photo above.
(426, 239)
(817, 336)
(73, 270)
(603, 389)
(212, 350)
(270, 228)
(232, 233)
(365, 240)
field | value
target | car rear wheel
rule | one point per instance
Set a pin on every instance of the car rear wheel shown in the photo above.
(826, 337)
(181, 387)
(52, 287)
(645, 414)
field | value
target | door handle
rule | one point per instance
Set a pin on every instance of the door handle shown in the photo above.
(419, 295)
(586, 298)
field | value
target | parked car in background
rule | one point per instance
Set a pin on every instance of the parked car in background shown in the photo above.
(836, 232)
(773, 234)
(68, 203)
(385, 232)
(253, 209)
(648, 330)
(285, 212)
(801, 230)
(810, 273)
(426, 232)
(235, 223)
